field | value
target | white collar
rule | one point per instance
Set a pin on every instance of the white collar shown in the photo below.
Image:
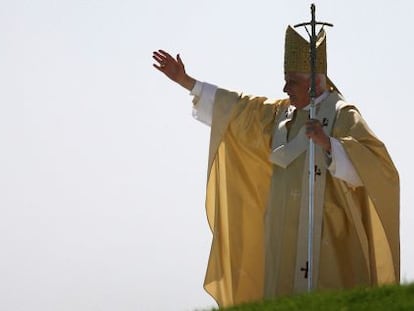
(319, 99)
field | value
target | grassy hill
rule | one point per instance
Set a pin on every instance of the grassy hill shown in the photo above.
(368, 299)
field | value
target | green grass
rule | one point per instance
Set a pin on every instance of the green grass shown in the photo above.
(399, 297)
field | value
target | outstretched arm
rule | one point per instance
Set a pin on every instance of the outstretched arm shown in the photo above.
(173, 68)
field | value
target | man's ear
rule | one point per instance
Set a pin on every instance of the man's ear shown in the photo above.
(317, 80)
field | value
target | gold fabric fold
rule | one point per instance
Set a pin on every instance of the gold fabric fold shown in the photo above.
(359, 242)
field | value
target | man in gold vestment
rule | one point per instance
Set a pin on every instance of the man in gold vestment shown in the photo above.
(257, 191)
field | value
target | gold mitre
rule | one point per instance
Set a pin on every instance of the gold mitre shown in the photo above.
(297, 52)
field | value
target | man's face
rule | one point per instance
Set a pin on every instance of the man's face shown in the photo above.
(297, 87)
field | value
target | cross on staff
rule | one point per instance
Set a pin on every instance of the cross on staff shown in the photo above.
(312, 57)
(306, 269)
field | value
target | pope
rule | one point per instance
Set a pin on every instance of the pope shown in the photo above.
(257, 187)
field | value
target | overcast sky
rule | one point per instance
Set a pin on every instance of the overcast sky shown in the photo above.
(103, 169)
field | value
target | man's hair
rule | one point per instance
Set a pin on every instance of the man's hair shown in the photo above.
(320, 76)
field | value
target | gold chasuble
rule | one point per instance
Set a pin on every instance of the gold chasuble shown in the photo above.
(255, 208)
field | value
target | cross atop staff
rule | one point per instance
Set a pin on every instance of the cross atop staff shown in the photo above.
(312, 52)
(312, 59)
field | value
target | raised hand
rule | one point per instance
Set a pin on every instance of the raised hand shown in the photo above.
(173, 68)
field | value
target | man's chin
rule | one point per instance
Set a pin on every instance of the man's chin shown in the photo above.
(293, 102)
